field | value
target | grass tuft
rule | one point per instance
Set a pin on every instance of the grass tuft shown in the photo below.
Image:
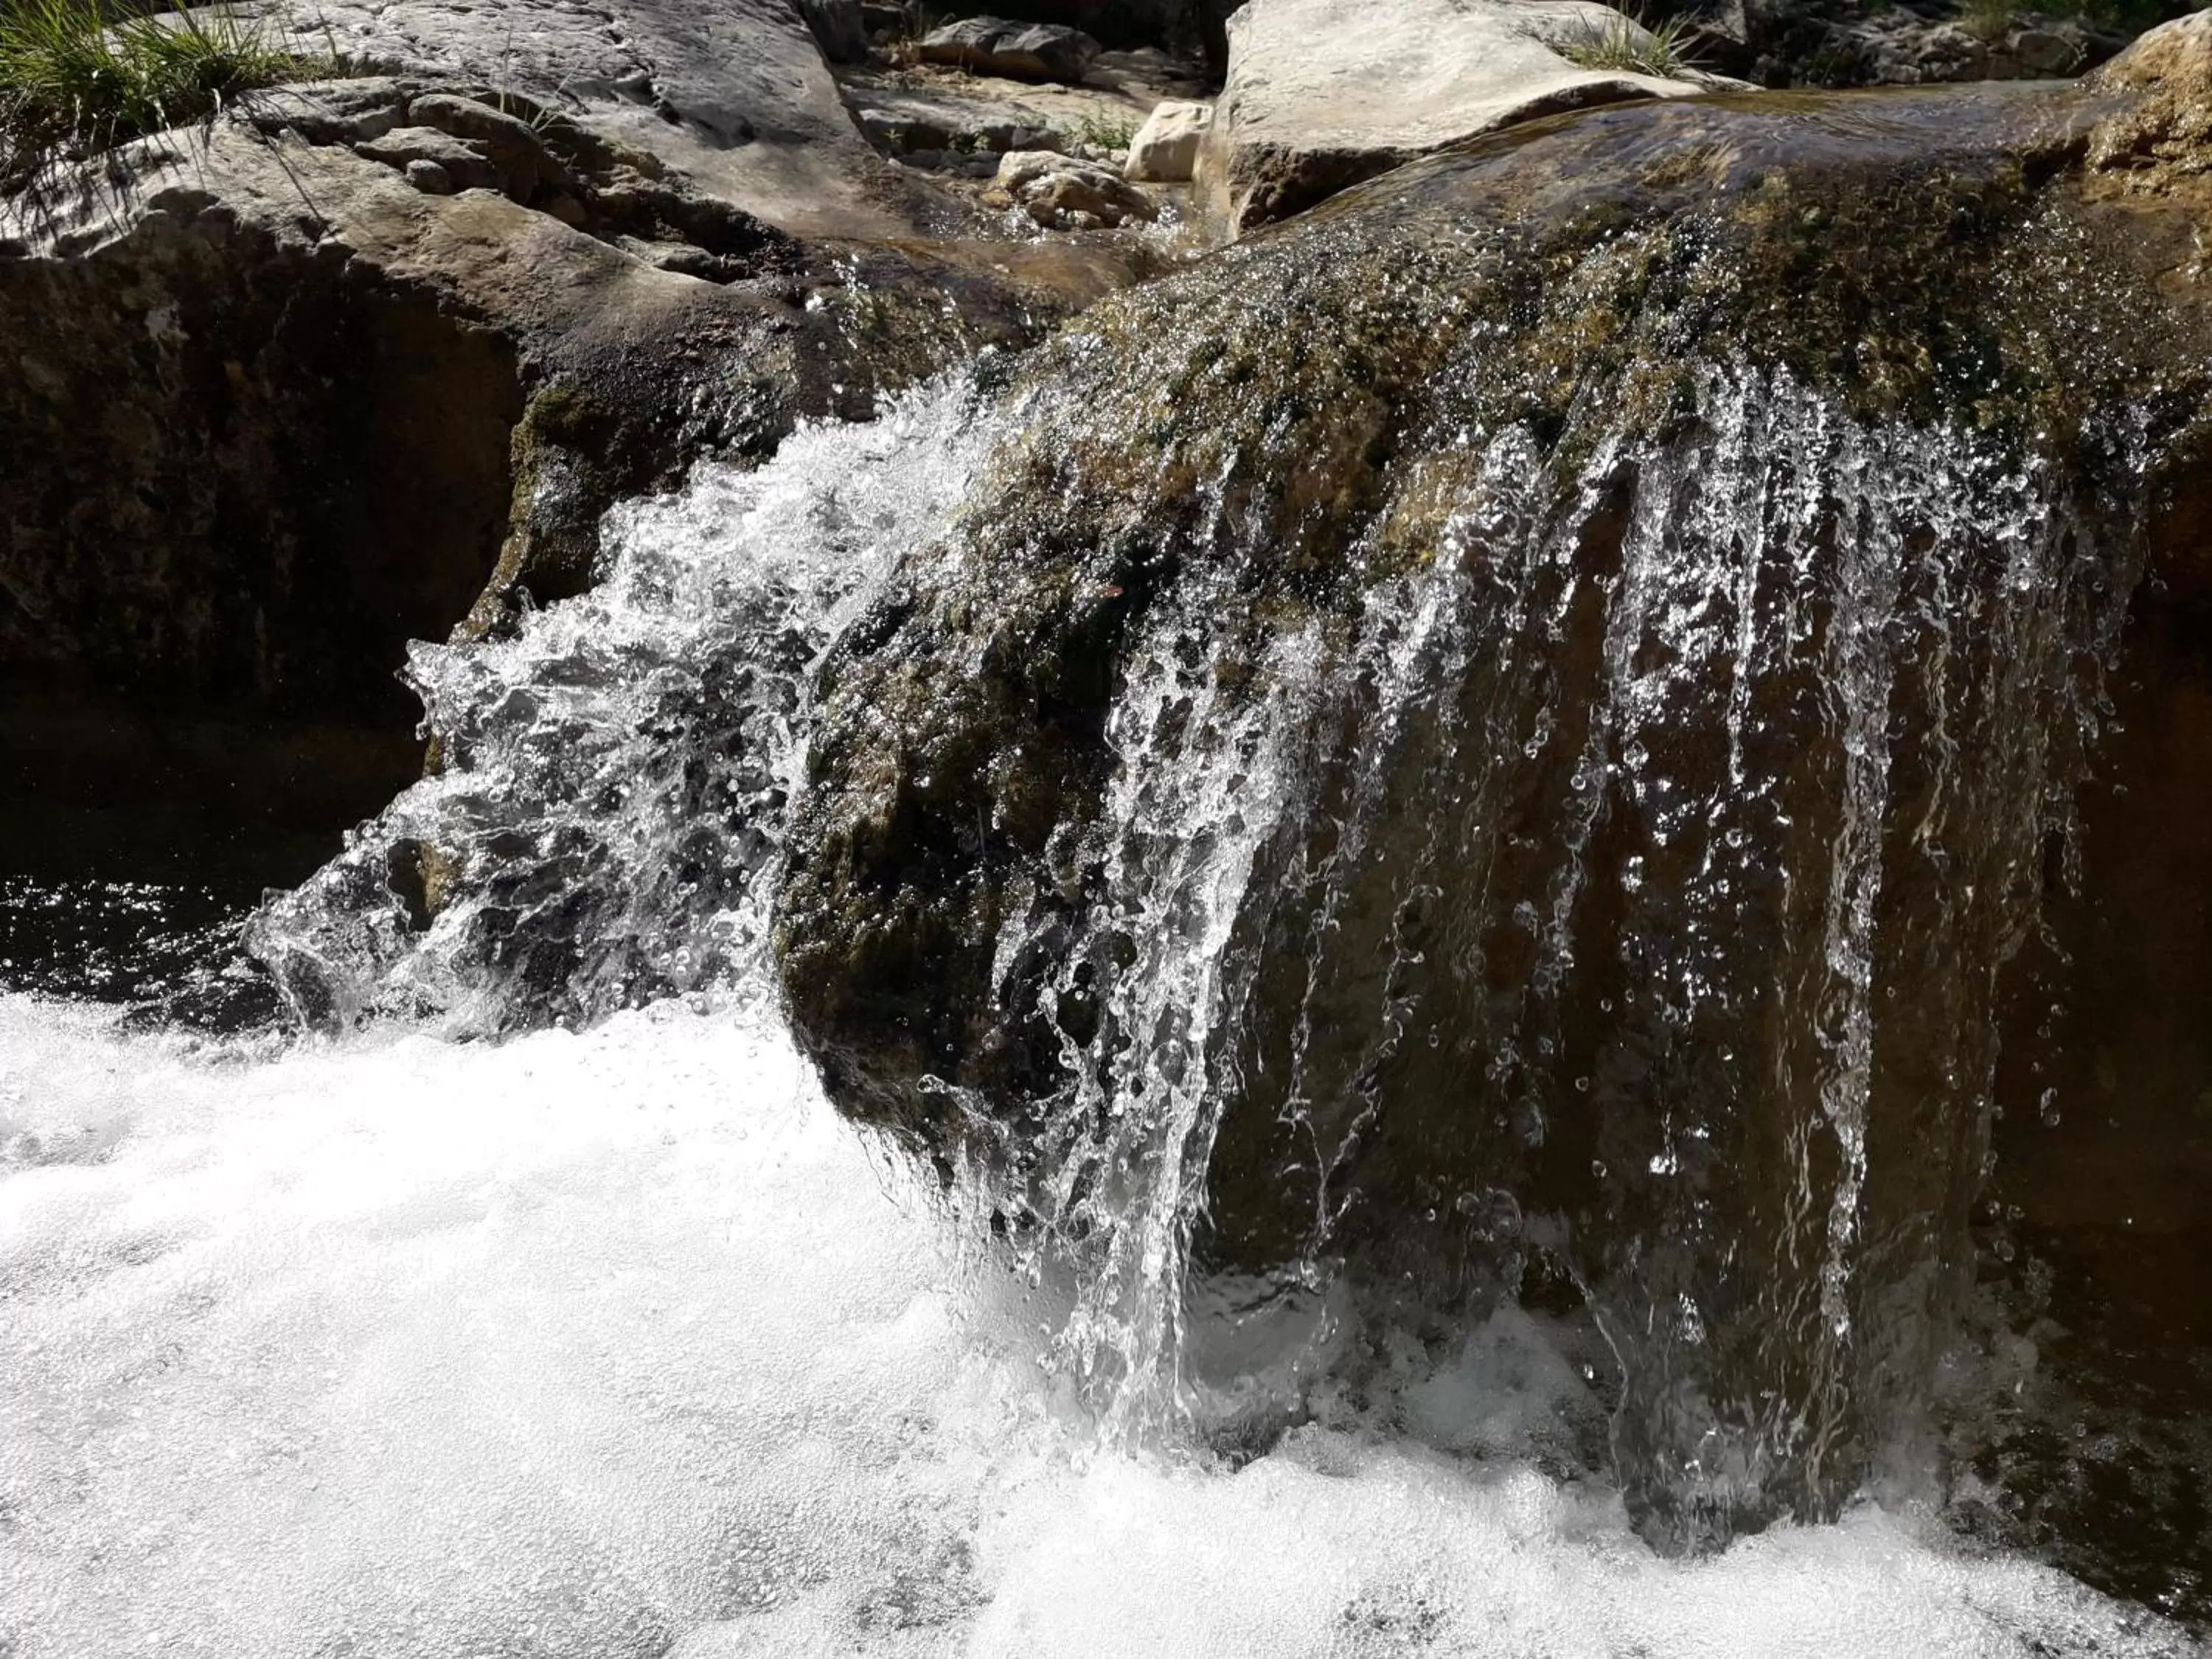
(1620, 42)
(1105, 132)
(78, 78)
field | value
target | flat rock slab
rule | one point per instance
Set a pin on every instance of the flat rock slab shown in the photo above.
(1322, 93)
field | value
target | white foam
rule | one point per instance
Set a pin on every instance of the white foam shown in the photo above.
(620, 1344)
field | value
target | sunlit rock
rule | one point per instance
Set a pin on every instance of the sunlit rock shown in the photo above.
(1165, 148)
(1059, 191)
(1321, 95)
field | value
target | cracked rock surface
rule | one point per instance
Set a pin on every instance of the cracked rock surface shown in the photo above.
(365, 361)
(736, 97)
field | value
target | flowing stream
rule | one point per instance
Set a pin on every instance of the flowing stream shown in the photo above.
(535, 1301)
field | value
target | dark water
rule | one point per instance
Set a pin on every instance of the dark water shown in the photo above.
(135, 843)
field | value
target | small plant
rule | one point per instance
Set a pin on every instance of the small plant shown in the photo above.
(1620, 42)
(77, 79)
(1988, 19)
(917, 23)
(1105, 132)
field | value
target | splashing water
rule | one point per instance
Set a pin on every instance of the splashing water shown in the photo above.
(1725, 1014)
(603, 826)
(618, 1344)
(1701, 660)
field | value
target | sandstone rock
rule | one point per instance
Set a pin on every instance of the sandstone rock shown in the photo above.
(908, 110)
(2161, 143)
(2175, 58)
(907, 127)
(1061, 192)
(511, 145)
(1147, 75)
(277, 406)
(1165, 148)
(1322, 93)
(1024, 52)
(465, 165)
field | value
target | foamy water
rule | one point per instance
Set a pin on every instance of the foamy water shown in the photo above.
(621, 1344)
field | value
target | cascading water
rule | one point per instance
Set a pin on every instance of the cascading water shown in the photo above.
(715, 1482)
(601, 830)
(1681, 976)
(1442, 915)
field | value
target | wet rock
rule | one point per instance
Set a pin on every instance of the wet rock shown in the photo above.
(1064, 192)
(1165, 148)
(1295, 801)
(1321, 95)
(2160, 143)
(1022, 51)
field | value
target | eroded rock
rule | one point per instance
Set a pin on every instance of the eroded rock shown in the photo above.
(364, 387)
(737, 100)
(1324, 93)
(1165, 148)
(2161, 143)
(1064, 192)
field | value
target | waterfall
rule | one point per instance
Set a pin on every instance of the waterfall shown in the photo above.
(1787, 711)
(1539, 992)
(1626, 881)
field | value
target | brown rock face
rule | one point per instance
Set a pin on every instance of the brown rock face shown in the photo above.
(365, 361)
(248, 470)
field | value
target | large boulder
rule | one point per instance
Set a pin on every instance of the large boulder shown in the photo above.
(1021, 52)
(736, 97)
(1322, 93)
(1495, 741)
